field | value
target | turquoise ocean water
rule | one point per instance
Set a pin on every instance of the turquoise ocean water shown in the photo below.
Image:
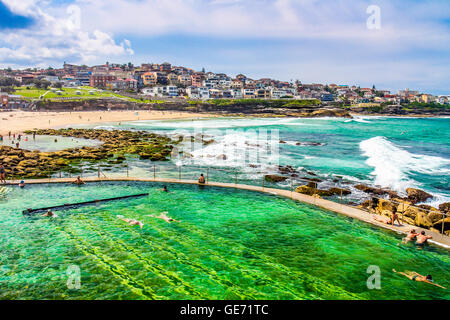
(395, 153)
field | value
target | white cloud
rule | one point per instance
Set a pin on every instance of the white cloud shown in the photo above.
(292, 19)
(55, 36)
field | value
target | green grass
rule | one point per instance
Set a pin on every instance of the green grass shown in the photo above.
(35, 93)
(71, 93)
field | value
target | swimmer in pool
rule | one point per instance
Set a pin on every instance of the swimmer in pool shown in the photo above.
(131, 222)
(422, 239)
(414, 276)
(164, 217)
(79, 182)
(412, 235)
(50, 214)
(165, 189)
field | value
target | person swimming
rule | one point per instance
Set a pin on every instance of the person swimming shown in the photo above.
(79, 182)
(50, 214)
(164, 217)
(131, 222)
(165, 189)
(22, 184)
(422, 239)
(412, 235)
(414, 276)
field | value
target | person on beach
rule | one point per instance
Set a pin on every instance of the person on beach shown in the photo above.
(79, 182)
(2, 174)
(201, 180)
(414, 276)
(22, 184)
(412, 235)
(422, 239)
(49, 214)
(164, 217)
(131, 222)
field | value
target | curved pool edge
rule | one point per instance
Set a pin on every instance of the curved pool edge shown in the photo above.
(352, 212)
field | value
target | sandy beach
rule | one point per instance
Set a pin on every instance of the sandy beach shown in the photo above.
(20, 121)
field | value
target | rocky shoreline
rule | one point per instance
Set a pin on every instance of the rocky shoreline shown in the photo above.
(381, 201)
(255, 108)
(116, 146)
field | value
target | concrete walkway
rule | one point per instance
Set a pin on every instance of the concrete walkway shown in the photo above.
(438, 239)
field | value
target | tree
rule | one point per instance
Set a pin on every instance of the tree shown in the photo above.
(59, 85)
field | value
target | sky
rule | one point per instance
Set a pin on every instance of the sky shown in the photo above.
(392, 44)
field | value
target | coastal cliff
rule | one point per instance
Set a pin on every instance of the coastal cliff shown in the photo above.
(261, 108)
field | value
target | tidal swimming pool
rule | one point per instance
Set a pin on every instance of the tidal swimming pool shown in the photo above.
(229, 244)
(49, 143)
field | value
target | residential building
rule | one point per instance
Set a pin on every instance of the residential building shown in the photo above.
(197, 80)
(100, 80)
(150, 78)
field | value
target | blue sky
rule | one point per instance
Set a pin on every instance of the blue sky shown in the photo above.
(325, 41)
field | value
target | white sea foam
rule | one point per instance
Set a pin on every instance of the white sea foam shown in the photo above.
(235, 148)
(393, 165)
(358, 119)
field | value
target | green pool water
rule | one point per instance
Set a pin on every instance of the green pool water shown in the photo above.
(229, 244)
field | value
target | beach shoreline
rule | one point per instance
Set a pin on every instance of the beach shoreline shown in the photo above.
(20, 121)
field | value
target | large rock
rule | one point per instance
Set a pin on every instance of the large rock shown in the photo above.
(385, 205)
(338, 191)
(416, 195)
(435, 216)
(274, 178)
(313, 191)
(422, 220)
(445, 207)
(376, 191)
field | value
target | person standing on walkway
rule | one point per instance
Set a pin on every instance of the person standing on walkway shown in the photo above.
(2, 174)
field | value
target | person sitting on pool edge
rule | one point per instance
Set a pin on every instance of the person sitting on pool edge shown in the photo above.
(422, 239)
(414, 276)
(79, 182)
(201, 180)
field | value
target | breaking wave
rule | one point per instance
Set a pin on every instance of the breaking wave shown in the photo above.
(394, 165)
